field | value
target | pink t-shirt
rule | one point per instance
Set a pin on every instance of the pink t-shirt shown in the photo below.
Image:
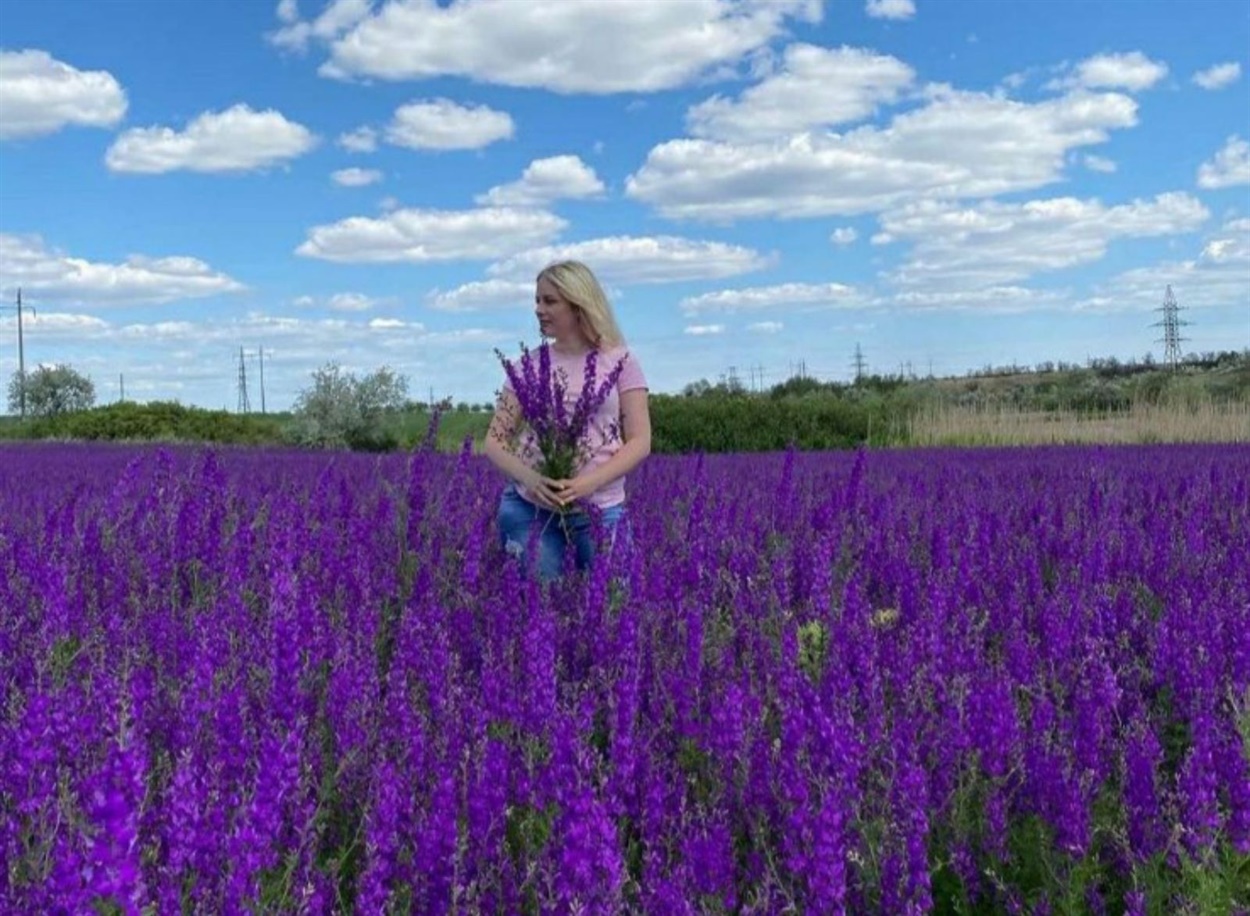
(604, 433)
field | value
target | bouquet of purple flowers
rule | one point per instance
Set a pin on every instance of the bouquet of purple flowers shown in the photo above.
(541, 391)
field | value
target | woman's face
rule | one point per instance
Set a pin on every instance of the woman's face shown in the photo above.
(557, 318)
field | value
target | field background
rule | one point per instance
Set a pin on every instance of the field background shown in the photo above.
(1207, 399)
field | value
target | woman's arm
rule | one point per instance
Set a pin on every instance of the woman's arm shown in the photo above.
(636, 433)
(498, 449)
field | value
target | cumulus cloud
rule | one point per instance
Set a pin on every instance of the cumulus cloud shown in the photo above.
(990, 299)
(1099, 164)
(431, 235)
(441, 124)
(639, 46)
(993, 243)
(960, 144)
(55, 324)
(1231, 166)
(1214, 277)
(546, 180)
(813, 87)
(356, 178)
(890, 9)
(704, 330)
(844, 235)
(360, 140)
(628, 260)
(40, 95)
(338, 17)
(1218, 76)
(235, 140)
(351, 302)
(56, 277)
(482, 294)
(765, 327)
(1132, 71)
(821, 295)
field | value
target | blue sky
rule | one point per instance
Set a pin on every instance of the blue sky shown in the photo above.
(760, 183)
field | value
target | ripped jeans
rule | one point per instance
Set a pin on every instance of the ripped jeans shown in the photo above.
(517, 517)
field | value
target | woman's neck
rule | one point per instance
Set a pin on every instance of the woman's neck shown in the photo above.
(571, 347)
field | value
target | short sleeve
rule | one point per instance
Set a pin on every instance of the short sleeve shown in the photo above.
(632, 376)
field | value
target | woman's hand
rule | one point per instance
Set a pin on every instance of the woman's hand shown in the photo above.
(543, 490)
(571, 491)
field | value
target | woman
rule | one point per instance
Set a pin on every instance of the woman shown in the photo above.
(576, 318)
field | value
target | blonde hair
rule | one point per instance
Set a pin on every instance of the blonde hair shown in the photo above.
(580, 288)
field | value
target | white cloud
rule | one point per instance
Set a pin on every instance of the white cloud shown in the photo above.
(545, 180)
(1099, 164)
(772, 297)
(814, 87)
(961, 144)
(351, 302)
(40, 95)
(235, 140)
(442, 124)
(890, 9)
(482, 294)
(765, 327)
(58, 323)
(704, 330)
(843, 235)
(990, 299)
(630, 260)
(54, 276)
(390, 324)
(1231, 166)
(992, 243)
(431, 235)
(360, 140)
(1133, 71)
(356, 178)
(338, 17)
(1218, 76)
(1215, 277)
(639, 46)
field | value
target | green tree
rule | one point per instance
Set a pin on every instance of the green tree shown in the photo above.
(339, 409)
(51, 391)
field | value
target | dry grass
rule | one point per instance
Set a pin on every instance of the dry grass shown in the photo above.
(1204, 422)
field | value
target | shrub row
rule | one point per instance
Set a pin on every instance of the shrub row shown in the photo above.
(750, 424)
(156, 421)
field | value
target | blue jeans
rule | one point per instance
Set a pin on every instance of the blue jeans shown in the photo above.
(518, 517)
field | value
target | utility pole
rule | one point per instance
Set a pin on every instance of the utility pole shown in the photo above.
(859, 364)
(244, 404)
(21, 351)
(260, 355)
(121, 384)
(759, 370)
(1171, 325)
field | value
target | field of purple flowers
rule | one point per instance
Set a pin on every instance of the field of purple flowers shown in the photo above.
(875, 682)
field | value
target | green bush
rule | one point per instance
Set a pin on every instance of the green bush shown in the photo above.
(157, 421)
(756, 424)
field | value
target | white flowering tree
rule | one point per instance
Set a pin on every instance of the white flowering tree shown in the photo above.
(339, 409)
(50, 391)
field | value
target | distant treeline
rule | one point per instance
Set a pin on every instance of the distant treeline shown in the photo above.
(707, 417)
